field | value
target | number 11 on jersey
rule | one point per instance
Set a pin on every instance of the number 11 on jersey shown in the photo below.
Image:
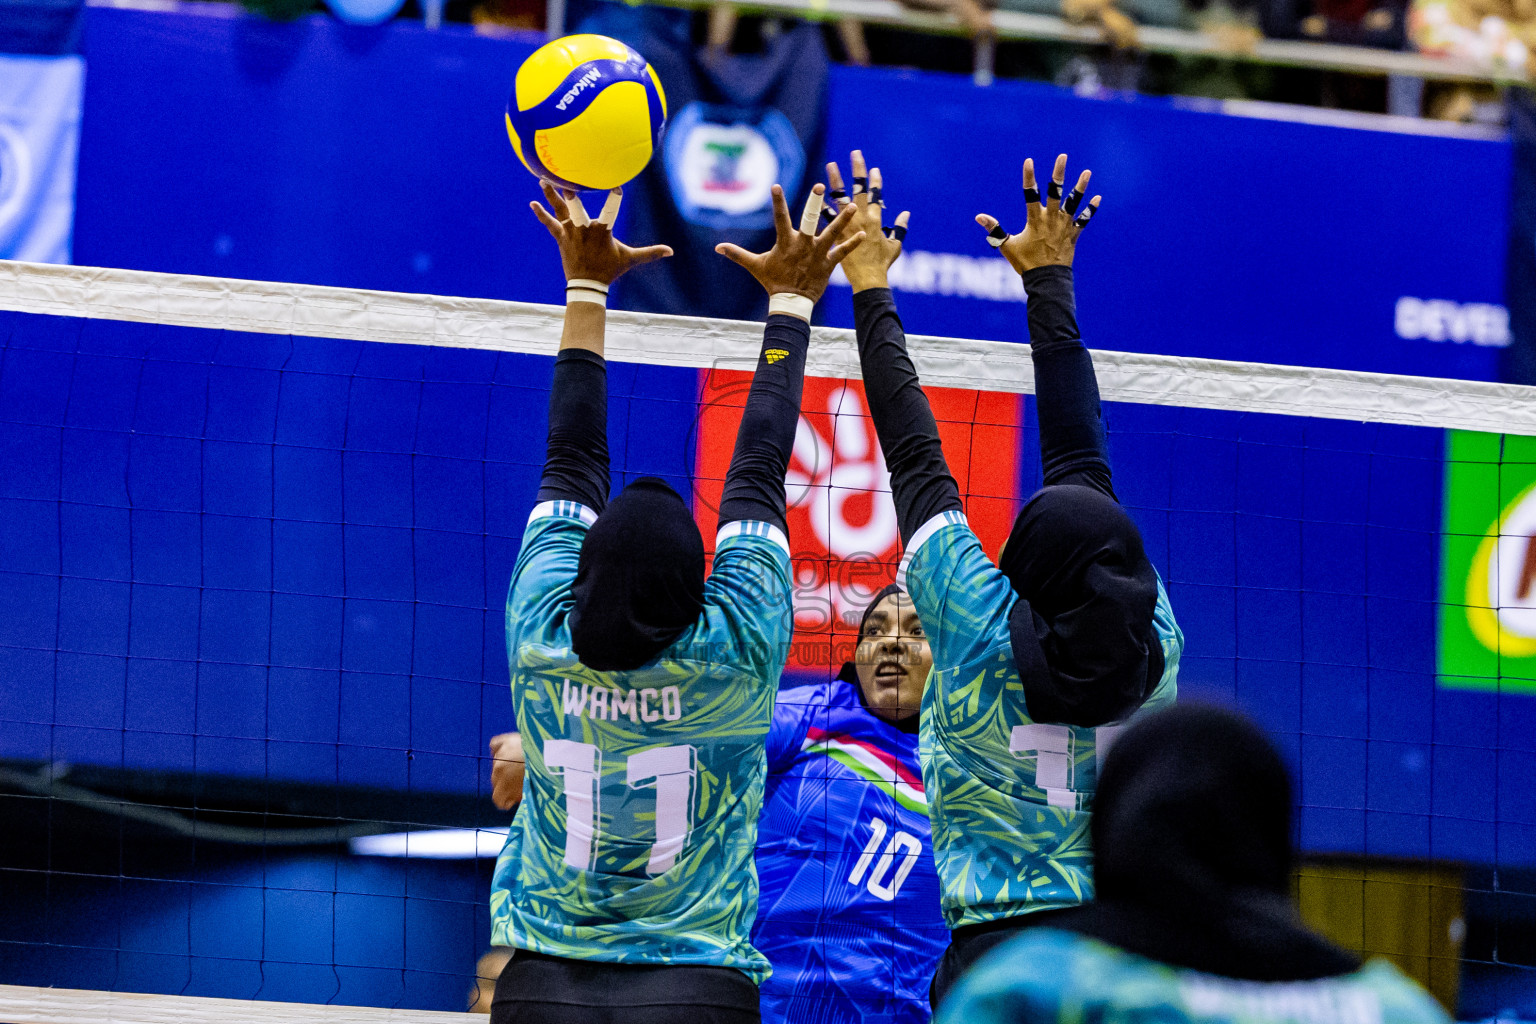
(670, 770)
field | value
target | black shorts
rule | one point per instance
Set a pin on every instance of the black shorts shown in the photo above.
(971, 942)
(539, 989)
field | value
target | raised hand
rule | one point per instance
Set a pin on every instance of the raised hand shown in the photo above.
(800, 261)
(1050, 230)
(866, 266)
(588, 250)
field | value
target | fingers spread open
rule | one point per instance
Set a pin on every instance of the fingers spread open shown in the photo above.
(551, 225)
(611, 207)
(649, 254)
(996, 236)
(1076, 195)
(1088, 212)
(860, 177)
(835, 191)
(1054, 186)
(811, 216)
(781, 225)
(837, 228)
(1031, 192)
(837, 252)
(556, 201)
(736, 254)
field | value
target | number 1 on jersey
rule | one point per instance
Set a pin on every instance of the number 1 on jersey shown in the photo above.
(670, 770)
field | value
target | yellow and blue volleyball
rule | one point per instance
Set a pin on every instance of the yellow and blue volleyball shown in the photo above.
(586, 112)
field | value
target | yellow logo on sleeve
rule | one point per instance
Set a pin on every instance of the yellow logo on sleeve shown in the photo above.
(773, 355)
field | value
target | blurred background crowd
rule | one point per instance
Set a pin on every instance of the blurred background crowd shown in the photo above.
(1363, 54)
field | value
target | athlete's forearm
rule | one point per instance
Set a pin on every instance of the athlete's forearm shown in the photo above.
(1072, 445)
(921, 485)
(754, 485)
(576, 459)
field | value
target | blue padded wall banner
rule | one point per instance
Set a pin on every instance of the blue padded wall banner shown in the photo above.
(285, 558)
(321, 153)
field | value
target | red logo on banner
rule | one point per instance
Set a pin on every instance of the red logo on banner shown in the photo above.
(842, 526)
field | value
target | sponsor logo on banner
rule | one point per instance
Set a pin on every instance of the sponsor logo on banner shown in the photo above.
(843, 534)
(722, 164)
(950, 274)
(1480, 323)
(1488, 564)
(15, 175)
(39, 132)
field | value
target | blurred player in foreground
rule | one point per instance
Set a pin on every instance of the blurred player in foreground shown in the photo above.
(849, 910)
(1193, 921)
(1037, 657)
(642, 689)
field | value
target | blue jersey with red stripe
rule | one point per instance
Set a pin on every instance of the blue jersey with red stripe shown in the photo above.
(848, 905)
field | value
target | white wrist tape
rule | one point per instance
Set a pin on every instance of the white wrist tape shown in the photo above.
(789, 302)
(582, 289)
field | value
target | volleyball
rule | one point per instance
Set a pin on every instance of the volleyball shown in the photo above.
(586, 112)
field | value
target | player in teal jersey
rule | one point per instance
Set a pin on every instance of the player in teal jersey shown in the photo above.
(644, 690)
(1193, 922)
(1039, 658)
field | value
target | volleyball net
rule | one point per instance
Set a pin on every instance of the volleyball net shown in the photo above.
(255, 541)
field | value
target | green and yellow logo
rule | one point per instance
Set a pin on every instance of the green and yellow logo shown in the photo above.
(1488, 564)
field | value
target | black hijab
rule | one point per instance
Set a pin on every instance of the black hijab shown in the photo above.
(1082, 629)
(849, 673)
(640, 578)
(1191, 833)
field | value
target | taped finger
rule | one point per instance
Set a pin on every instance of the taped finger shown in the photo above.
(1031, 195)
(812, 215)
(876, 195)
(997, 236)
(860, 184)
(896, 232)
(578, 212)
(1087, 214)
(1053, 190)
(1073, 198)
(611, 207)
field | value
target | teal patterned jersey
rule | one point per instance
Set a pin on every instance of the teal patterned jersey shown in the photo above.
(635, 839)
(1009, 797)
(1046, 976)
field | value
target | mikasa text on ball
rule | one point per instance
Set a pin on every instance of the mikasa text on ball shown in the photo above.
(586, 112)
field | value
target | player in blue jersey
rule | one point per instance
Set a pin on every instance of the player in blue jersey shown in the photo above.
(643, 689)
(1037, 659)
(849, 905)
(1193, 921)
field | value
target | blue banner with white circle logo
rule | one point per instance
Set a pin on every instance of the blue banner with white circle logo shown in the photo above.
(39, 137)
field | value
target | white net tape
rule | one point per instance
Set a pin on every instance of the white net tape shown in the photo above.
(24, 1005)
(313, 311)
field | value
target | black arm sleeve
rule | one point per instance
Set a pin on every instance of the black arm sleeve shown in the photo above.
(921, 486)
(576, 458)
(1072, 445)
(754, 485)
